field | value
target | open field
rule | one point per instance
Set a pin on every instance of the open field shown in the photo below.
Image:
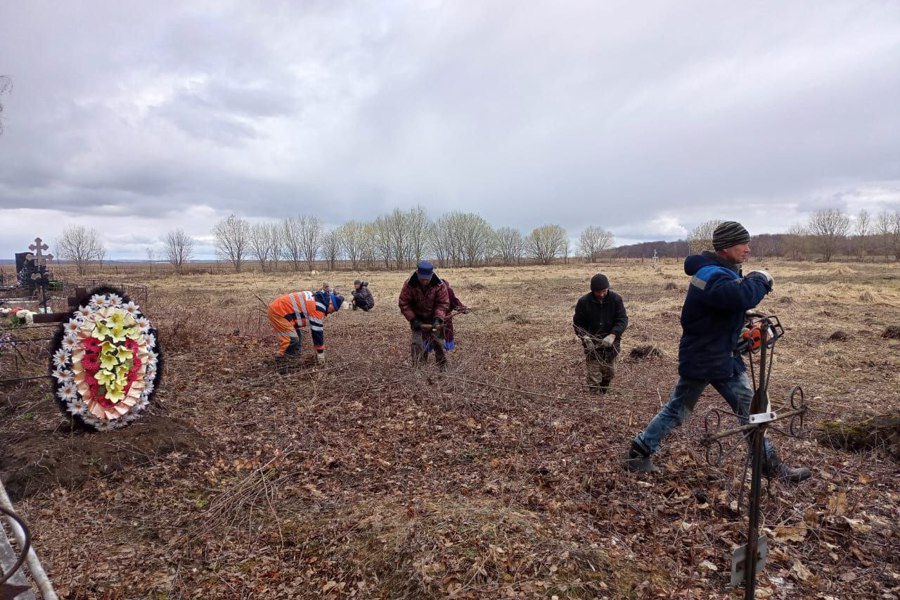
(498, 479)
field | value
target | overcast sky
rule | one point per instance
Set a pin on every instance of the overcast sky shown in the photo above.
(646, 118)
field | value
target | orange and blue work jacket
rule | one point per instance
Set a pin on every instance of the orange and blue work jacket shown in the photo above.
(297, 309)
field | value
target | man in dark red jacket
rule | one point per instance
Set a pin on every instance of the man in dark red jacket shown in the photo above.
(424, 301)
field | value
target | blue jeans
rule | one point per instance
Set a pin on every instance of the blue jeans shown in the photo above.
(737, 391)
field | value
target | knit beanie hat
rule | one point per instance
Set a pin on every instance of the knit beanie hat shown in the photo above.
(599, 282)
(728, 234)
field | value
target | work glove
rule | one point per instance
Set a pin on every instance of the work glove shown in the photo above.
(320, 358)
(607, 342)
(416, 325)
(588, 344)
(437, 323)
(770, 282)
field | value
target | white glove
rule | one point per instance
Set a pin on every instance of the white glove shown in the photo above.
(588, 344)
(320, 358)
(608, 340)
(765, 274)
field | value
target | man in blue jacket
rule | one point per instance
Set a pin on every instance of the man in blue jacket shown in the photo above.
(711, 320)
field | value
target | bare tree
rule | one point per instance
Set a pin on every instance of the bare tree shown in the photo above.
(310, 238)
(396, 227)
(419, 225)
(593, 241)
(291, 237)
(862, 227)
(796, 241)
(232, 239)
(383, 240)
(700, 237)
(350, 236)
(179, 248)
(263, 244)
(80, 245)
(475, 238)
(887, 226)
(331, 248)
(510, 245)
(367, 243)
(546, 243)
(828, 226)
(276, 238)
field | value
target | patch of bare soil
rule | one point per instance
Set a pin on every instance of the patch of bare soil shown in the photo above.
(42, 459)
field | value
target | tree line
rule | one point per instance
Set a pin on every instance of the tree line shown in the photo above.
(401, 238)
(397, 240)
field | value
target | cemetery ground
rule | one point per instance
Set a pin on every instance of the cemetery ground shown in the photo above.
(500, 478)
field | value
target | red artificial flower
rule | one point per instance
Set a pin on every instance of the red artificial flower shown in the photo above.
(91, 344)
(90, 362)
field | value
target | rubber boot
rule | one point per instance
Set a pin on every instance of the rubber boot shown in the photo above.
(773, 468)
(638, 460)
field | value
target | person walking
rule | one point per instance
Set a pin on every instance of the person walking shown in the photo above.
(362, 297)
(712, 317)
(600, 320)
(424, 302)
(289, 313)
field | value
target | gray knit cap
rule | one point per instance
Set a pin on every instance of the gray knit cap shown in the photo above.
(728, 234)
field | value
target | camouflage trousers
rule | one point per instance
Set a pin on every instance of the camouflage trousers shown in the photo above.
(422, 343)
(601, 368)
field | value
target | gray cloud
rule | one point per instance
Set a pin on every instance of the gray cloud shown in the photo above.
(646, 119)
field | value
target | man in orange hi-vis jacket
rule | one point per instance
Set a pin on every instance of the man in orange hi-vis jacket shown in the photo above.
(295, 310)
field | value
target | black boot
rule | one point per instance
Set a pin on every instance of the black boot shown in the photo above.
(638, 460)
(773, 468)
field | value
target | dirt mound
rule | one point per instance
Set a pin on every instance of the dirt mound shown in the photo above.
(785, 300)
(671, 286)
(867, 297)
(44, 459)
(476, 287)
(838, 336)
(892, 332)
(642, 352)
(517, 319)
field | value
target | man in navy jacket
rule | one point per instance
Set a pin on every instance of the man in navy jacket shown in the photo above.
(711, 321)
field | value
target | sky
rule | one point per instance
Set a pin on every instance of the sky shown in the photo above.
(645, 118)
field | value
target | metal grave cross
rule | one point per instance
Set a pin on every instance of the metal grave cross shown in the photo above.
(40, 259)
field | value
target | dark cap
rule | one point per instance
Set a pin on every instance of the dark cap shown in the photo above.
(424, 270)
(728, 234)
(599, 282)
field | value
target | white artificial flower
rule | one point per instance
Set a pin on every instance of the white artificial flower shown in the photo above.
(77, 407)
(71, 327)
(103, 425)
(69, 342)
(60, 358)
(69, 391)
(98, 301)
(144, 322)
(85, 311)
(62, 375)
(115, 300)
(132, 308)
